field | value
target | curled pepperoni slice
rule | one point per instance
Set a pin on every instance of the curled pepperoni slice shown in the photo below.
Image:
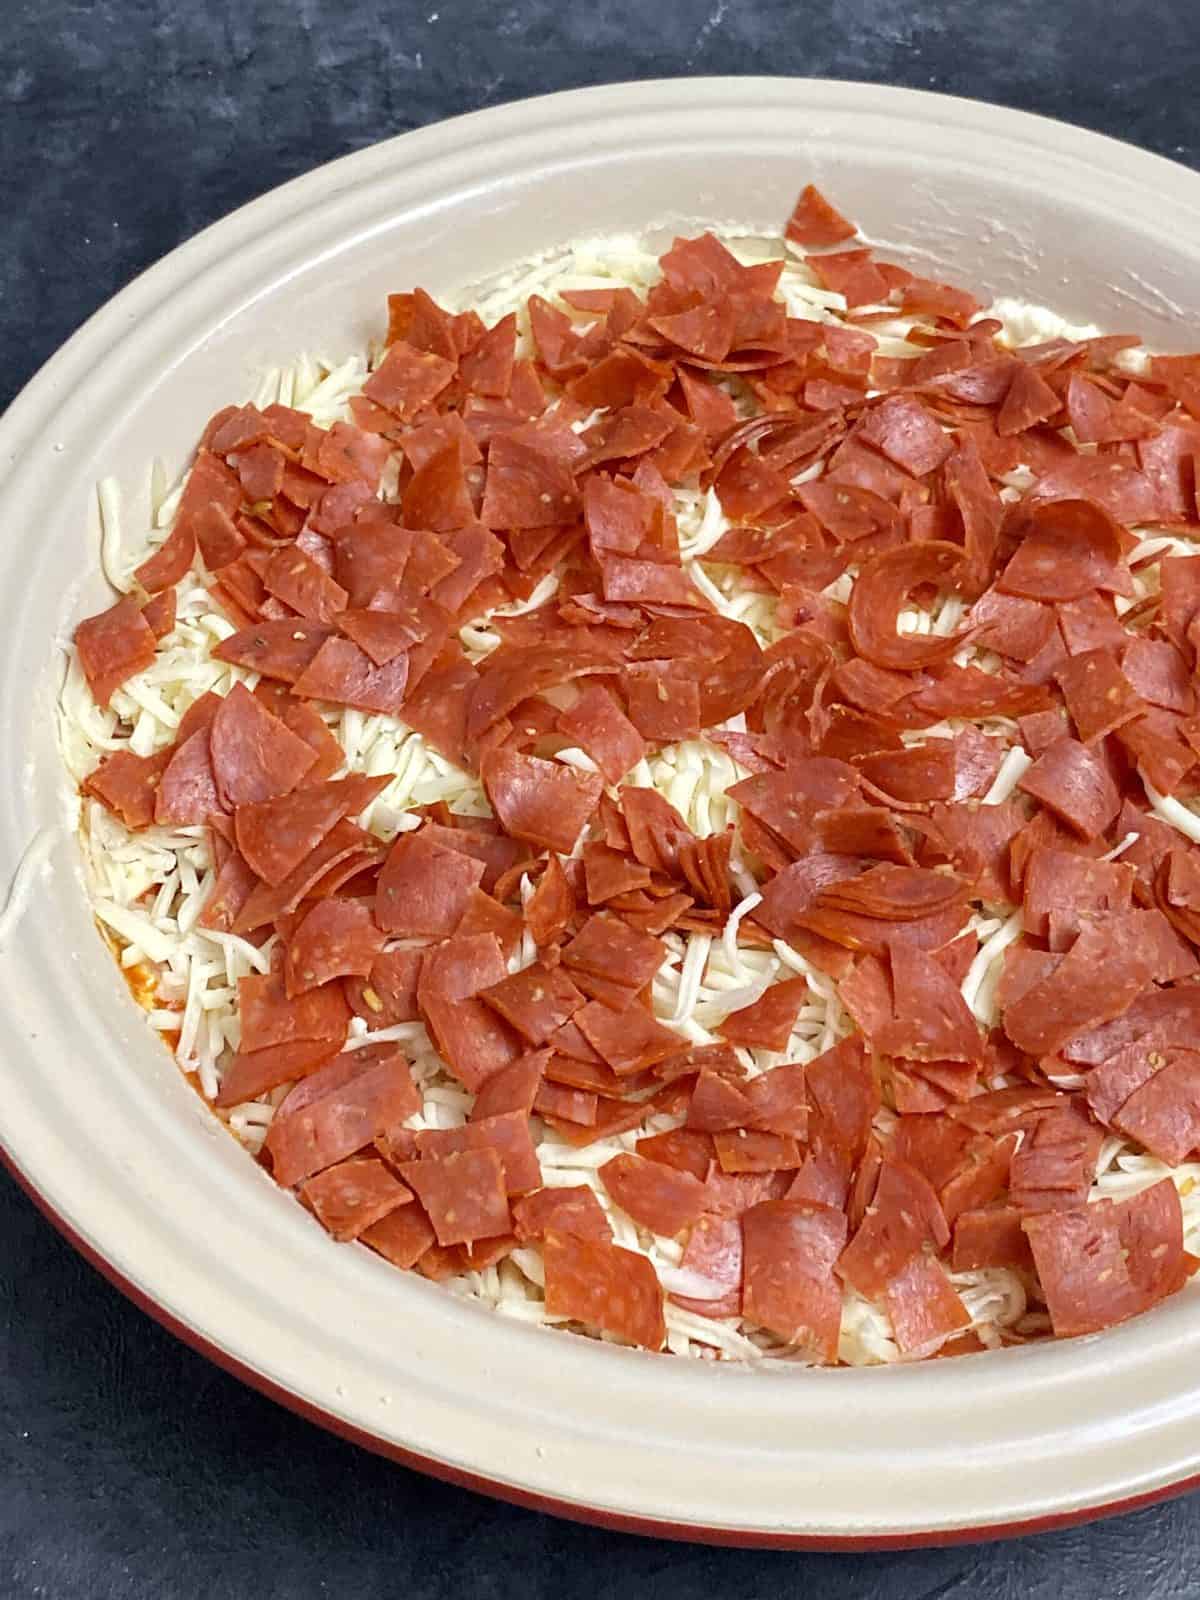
(877, 599)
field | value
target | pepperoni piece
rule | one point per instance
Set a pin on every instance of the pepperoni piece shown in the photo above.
(1096, 981)
(352, 1196)
(536, 1001)
(915, 775)
(382, 635)
(407, 381)
(718, 1104)
(767, 1023)
(113, 647)
(469, 1036)
(281, 650)
(252, 1073)
(271, 1017)
(345, 675)
(608, 874)
(1160, 1107)
(923, 1307)
(628, 1041)
(1056, 1162)
(1076, 785)
(903, 1219)
(754, 1150)
(605, 1287)
(345, 849)
(1100, 698)
(908, 434)
(299, 582)
(231, 891)
(713, 1254)
(573, 1211)
(879, 594)
(657, 1197)
(541, 802)
(463, 1194)
(790, 1248)
(161, 613)
(254, 755)
(128, 785)
(389, 993)
(337, 939)
(170, 562)
(1070, 548)
(931, 1021)
(187, 790)
(338, 1111)
(528, 484)
(814, 223)
(507, 1133)
(275, 836)
(844, 1095)
(685, 1149)
(1029, 400)
(424, 889)
(1158, 671)
(1057, 881)
(1100, 1264)
(402, 1237)
(992, 1238)
(606, 947)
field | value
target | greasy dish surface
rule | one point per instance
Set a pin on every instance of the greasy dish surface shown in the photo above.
(902, 980)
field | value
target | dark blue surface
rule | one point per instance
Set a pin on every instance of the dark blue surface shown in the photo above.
(129, 1467)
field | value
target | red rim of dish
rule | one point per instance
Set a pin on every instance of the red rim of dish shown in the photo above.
(571, 1511)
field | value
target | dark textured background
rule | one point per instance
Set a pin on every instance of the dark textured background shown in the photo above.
(128, 1466)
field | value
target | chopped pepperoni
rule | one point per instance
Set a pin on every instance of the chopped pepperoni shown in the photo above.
(129, 785)
(402, 1237)
(790, 1248)
(254, 756)
(1071, 548)
(902, 1220)
(424, 888)
(352, 1196)
(506, 1132)
(1099, 696)
(345, 675)
(603, 1286)
(337, 939)
(1075, 783)
(282, 649)
(113, 647)
(657, 1197)
(344, 846)
(767, 1024)
(468, 1034)
(570, 1211)
(1096, 982)
(923, 1307)
(536, 1001)
(337, 1112)
(878, 595)
(607, 948)
(814, 223)
(628, 1041)
(1100, 1264)
(252, 1072)
(463, 1194)
(274, 836)
(541, 802)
